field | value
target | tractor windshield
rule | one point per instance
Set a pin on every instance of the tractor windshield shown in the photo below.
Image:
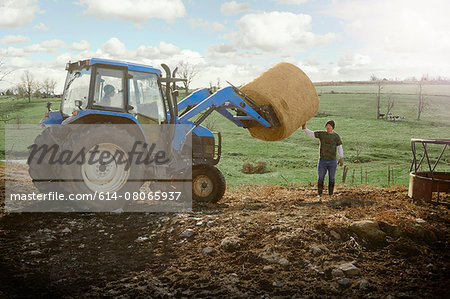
(76, 88)
(145, 97)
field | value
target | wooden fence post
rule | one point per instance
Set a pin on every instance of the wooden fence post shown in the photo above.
(389, 175)
(344, 174)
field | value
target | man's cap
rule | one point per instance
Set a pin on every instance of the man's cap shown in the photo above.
(331, 122)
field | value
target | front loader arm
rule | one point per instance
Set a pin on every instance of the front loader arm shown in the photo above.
(221, 101)
(193, 99)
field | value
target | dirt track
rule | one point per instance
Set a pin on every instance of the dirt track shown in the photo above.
(267, 241)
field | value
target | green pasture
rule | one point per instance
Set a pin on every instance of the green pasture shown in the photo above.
(370, 145)
(19, 112)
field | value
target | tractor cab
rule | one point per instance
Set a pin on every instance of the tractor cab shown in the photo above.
(114, 86)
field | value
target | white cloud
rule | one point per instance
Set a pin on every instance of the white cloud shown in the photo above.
(14, 39)
(114, 47)
(80, 47)
(161, 51)
(137, 11)
(395, 25)
(352, 63)
(230, 8)
(41, 26)
(11, 52)
(17, 13)
(311, 62)
(276, 31)
(214, 26)
(45, 47)
(40, 69)
(222, 48)
(401, 38)
(152, 55)
(221, 54)
(292, 1)
(233, 73)
(167, 49)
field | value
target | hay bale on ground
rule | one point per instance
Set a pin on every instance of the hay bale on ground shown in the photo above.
(291, 94)
(261, 167)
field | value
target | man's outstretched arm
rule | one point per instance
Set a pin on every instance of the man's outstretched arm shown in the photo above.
(308, 131)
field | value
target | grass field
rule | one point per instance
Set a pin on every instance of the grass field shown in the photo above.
(370, 145)
(19, 111)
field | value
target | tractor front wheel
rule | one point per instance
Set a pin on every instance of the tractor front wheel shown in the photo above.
(208, 184)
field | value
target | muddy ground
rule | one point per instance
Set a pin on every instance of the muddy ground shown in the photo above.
(258, 242)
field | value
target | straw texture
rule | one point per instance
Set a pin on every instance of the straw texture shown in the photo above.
(291, 94)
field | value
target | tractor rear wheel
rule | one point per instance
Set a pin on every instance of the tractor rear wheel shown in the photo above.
(208, 184)
(114, 175)
(44, 172)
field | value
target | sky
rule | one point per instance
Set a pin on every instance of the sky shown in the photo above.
(330, 40)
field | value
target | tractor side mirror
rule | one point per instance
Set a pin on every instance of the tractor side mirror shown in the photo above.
(79, 103)
(49, 106)
(175, 93)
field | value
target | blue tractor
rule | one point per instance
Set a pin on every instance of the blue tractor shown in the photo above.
(107, 92)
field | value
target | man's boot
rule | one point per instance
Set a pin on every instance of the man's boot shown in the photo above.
(320, 188)
(330, 188)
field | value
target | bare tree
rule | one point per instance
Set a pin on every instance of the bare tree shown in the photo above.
(422, 104)
(28, 86)
(214, 88)
(380, 87)
(218, 83)
(3, 70)
(48, 86)
(186, 71)
(390, 105)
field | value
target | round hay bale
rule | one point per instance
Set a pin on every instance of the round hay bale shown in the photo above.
(291, 94)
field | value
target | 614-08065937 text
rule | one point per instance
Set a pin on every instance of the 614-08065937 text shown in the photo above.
(102, 196)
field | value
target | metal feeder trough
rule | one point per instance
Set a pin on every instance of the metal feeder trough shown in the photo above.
(422, 184)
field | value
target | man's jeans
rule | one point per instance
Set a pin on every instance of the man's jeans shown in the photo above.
(324, 166)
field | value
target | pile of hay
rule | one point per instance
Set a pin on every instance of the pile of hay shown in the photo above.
(291, 94)
(261, 167)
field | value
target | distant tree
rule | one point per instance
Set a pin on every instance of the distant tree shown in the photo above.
(28, 86)
(214, 88)
(422, 104)
(38, 94)
(3, 69)
(48, 87)
(186, 71)
(373, 78)
(218, 83)
(390, 105)
(380, 87)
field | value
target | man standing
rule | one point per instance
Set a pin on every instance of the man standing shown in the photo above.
(330, 142)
